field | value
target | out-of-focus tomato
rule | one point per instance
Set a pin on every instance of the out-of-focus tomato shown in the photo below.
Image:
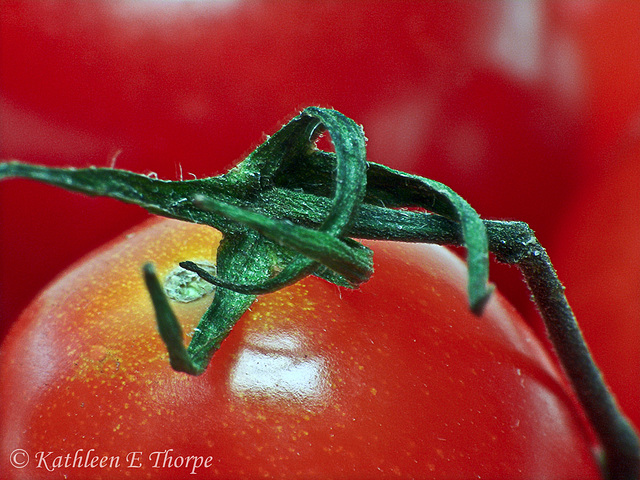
(598, 257)
(489, 97)
(605, 37)
(394, 380)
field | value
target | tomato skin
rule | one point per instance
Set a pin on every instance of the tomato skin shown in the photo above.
(397, 379)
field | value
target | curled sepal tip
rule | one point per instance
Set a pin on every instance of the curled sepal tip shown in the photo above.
(168, 326)
(400, 189)
(478, 303)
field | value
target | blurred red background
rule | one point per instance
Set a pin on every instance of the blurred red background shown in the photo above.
(528, 109)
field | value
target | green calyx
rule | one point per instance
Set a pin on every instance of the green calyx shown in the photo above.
(288, 208)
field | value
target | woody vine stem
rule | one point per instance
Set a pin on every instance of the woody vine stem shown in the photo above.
(296, 210)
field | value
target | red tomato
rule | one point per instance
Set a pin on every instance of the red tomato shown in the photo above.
(394, 380)
(495, 99)
(599, 260)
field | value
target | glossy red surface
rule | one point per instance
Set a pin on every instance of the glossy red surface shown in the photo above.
(314, 381)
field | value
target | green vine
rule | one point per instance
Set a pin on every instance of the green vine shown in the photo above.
(296, 210)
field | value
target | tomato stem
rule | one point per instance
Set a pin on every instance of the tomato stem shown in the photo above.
(290, 210)
(350, 259)
(518, 245)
